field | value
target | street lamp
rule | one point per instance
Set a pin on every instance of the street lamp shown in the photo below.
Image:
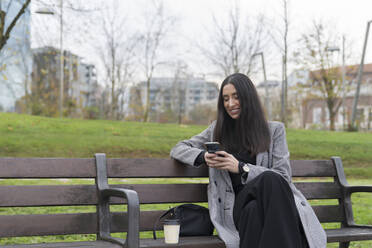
(359, 80)
(44, 11)
(267, 98)
(47, 11)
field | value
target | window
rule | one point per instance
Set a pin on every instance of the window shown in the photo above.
(360, 114)
(341, 116)
(317, 115)
(326, 116)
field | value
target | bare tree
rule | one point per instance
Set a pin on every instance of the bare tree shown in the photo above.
(78, 18)
(135, 104)
(117, 53)
(280, 35)
(325, 75)
(157, 27)
(232, 45)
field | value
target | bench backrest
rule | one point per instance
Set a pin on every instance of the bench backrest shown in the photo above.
(157, 181)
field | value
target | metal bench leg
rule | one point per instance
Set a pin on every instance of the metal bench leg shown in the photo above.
(344, 244)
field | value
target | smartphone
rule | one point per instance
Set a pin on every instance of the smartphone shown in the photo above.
(212, 147)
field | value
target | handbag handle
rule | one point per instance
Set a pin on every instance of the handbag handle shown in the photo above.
(158, 220)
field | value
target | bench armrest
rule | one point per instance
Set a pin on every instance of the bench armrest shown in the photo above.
(357, 189)
(360, 226)
(131, 196)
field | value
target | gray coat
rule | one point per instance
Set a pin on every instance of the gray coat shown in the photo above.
(221, 195)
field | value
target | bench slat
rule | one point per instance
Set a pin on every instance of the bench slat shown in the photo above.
(63, 224)
(39, 225)
(326, 214)
(164, 193)
(47, 168)
(331, 213)
(322, 190)
(132, 168)
(184, 242)
(171, 168)
(65, 195)
(85, 168)
(149, 168)
(47, 195)
(348, 234)
(333, 235)
(313, 168)
(86, 244)
(69, 195)
(86, 223)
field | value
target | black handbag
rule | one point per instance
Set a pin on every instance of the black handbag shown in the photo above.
(194, 220)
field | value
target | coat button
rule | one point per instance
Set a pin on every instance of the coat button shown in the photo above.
(219, 199)
(303, 203)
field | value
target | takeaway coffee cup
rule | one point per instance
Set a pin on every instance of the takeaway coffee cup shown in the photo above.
(171, 231)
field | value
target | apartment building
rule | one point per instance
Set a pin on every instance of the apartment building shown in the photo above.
(313, 107)
(79, 84)
(15, 57)
(179, 95)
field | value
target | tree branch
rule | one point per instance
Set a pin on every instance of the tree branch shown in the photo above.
(4, 37)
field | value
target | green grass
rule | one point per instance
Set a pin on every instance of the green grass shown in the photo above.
(33, 136)
(352, 147)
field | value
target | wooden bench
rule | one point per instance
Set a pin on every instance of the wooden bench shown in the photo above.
(189, 189)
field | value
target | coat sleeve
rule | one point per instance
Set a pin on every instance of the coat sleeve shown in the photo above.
(279, 157)
(187, 151)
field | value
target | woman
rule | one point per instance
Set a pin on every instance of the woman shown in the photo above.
(252, 201)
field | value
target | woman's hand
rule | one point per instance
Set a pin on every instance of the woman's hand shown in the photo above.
(225, 161)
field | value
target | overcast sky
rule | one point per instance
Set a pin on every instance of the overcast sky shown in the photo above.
(348, 17)
(195, 18)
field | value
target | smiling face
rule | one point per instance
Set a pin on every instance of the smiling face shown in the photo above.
(231, 101)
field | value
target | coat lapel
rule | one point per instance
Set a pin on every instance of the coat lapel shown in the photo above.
(259, 158)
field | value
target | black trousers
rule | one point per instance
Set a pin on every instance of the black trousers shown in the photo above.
(266, 216)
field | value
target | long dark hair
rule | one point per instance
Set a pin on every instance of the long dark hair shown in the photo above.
(250, 132)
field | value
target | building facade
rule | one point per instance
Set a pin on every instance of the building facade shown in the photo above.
(84, 90)
(269, 93)
(313, 107)
(180, 96)
(79, 84)
(15, 57)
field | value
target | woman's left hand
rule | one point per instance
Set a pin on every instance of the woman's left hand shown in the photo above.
(225, 161)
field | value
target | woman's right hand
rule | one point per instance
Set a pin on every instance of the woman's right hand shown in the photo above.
(222, 161)
(209, 158)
